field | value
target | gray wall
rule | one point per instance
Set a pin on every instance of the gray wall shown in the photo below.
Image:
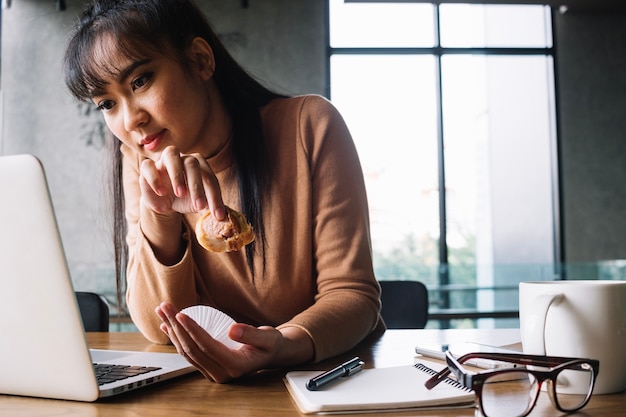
(279, 41)
(282, 42)
(591, 61)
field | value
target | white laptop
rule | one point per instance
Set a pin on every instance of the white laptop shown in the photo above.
(43, 349)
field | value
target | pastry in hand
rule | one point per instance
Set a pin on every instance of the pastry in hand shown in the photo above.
(231, 234)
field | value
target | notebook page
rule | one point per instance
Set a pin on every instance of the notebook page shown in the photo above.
(378, 389)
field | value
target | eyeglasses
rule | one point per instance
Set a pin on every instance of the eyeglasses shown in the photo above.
(513, 391)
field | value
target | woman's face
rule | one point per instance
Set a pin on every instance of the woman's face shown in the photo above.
(153, 102)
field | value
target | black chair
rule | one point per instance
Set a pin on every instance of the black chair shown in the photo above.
(94, 310)
(404, 304)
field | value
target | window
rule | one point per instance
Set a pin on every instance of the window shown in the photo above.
(459, 98)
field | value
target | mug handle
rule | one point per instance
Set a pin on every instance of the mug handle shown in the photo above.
(535, 323)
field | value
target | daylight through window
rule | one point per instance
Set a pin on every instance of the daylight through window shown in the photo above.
(459, 98)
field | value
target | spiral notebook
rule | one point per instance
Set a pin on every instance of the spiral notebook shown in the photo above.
(377, 390)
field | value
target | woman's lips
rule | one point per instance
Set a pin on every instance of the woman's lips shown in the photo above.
(151, 142)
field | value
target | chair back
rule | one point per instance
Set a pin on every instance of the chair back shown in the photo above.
(94, 310)
(404, 304)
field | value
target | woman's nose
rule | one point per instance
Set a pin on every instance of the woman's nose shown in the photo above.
(134, 116)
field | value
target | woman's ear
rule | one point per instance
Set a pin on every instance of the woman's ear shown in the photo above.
(201, 58)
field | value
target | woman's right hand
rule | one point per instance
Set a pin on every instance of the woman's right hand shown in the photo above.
(262, 347)
(182, 183)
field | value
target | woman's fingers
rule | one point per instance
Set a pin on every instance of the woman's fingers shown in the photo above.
(195, 186)
(207, 181)
(194, 343)
(171, 327)
(166, 313)
(171, 161)
(154, 186)
(182, 183)
(152, 178)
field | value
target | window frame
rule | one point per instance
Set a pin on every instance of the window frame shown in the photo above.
(437, 51)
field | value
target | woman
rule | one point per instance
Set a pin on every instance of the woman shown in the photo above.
(196, 132)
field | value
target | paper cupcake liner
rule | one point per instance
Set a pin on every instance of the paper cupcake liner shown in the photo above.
(214, 321)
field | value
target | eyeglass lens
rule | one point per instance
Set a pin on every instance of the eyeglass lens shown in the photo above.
(573, 386)
(513, 394)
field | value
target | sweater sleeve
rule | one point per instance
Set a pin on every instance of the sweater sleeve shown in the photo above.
(347, 300)
(148, 281)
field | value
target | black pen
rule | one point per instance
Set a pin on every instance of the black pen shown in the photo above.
(345, 369)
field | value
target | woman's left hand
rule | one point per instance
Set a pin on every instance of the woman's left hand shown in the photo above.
(263, 347)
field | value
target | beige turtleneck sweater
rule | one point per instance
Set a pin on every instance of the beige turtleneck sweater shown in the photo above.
(318, 276)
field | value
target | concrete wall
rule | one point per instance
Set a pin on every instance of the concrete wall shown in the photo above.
(592, 81)
(279, 41)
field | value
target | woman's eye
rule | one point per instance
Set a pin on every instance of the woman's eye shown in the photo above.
(141, 81)
(105, 105)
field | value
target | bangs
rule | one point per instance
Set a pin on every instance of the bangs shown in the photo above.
(90, 67)
(94, 53)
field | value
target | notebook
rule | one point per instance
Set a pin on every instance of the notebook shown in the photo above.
(43, 348)
(397, 388)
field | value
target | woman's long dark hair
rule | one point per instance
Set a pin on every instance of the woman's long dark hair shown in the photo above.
(170, 25)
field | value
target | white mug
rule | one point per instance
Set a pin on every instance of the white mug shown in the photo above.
(584, 319)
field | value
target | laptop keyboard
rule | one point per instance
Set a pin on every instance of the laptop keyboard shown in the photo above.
(107, 373)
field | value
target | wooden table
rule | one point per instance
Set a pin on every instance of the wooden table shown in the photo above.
(265, 394)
